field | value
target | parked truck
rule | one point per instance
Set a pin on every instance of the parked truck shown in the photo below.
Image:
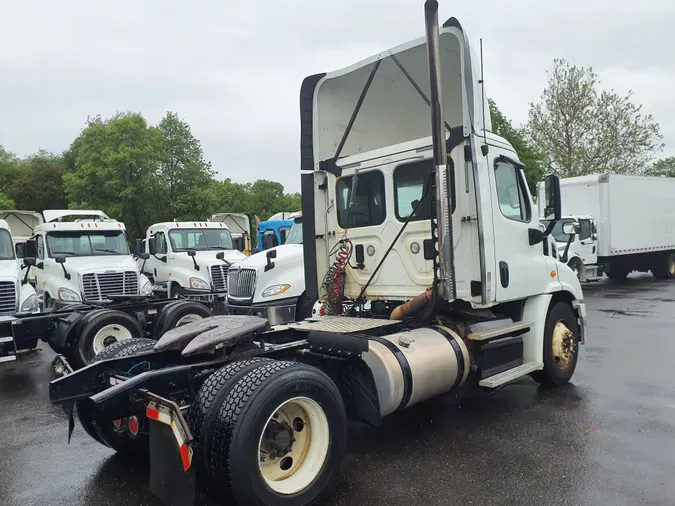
(83, 256)
(271, 283)
(274, 231)
(616, 224)
(190, 259)
(463, 293)
(240, 226)
(22, 226)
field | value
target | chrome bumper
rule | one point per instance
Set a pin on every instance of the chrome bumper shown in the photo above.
(276, 315)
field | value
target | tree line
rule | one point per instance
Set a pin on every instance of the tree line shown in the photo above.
(142, 174)
(137, 173)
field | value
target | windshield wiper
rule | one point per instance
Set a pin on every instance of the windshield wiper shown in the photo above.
(109, 251)
(71, 253)
(217, 247)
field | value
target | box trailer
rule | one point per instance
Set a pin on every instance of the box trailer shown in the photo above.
(623, 223)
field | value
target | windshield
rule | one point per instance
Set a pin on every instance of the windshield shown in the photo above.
(557, 231)
(200, 239)
(87, 243)
(295, 234)
(6, 246)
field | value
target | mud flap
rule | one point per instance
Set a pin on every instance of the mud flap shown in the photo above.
(172, 475)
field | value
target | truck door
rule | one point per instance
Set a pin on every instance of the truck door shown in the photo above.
(586, 244)
(520, 267)
(156, 267)
(39, 274)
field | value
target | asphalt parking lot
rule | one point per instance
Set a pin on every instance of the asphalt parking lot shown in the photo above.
(607, 438)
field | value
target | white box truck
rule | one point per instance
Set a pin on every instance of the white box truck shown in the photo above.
(616, 224)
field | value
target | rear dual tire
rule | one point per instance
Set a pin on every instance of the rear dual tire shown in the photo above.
(276, 435)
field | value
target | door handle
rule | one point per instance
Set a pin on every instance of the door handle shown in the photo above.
(504, 274)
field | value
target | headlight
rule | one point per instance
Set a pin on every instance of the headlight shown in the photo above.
(199, 284)
(147, 288)
(69, 295)
(273, 290)
(29, 305)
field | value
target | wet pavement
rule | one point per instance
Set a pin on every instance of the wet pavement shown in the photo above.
(607, 438)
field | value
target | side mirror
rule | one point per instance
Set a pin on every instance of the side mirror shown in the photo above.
(20, 249)
(138, 247)
(60, 259)
(270, 255)
(220, 255)
(569, 228)
(152, 245)
(30, 248)
(28, 261)
(191, 252)
(553, 205)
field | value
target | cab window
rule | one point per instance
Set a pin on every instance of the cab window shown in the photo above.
(361, 203)
(511, 193)
(411, 182)
(40, 247)
(160, 243)
(585, 232)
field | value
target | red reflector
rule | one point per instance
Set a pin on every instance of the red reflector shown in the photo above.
(117, 423)
(185, 456)
(133, 425)
(152, 413)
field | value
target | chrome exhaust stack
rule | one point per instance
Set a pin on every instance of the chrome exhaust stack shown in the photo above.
(442, 233)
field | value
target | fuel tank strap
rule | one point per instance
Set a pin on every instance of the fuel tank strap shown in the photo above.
(458, 353)
(405, 368)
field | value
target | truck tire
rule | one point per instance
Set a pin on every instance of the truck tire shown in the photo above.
(577, 267)
(100, 330)
(279, 436)
(211, 394)
(617, 272)
(179, 313)
(120, 349)
(665, 267)
(561, 346)
(303, 309)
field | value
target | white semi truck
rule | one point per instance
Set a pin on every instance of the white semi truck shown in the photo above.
(434, 228)
(616, 224)
(271, 283)
(190, 259)
(83, 255)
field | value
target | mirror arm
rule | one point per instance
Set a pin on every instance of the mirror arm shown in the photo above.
(66, 274)
(567, 249)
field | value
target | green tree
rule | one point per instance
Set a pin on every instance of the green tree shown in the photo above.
(533, 159)
(585, 130)
(115, 162)
(664, 167)
(183, 176)
(9, 169)
(38, 185)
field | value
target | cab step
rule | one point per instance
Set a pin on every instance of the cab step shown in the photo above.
(6, 339)
(491, 333)
(8, 358)
(511, 374)
(591, 279)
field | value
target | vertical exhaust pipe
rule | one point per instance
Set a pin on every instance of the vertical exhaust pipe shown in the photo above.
(445, 244)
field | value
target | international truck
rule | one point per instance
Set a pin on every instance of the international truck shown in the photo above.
(463, 293)
(615, 224)
(273, 232)
(271, 283)
(190, 259)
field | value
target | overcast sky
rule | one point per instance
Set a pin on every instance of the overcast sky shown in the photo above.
(233, 69)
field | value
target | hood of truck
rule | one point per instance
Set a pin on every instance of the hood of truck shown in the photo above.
(10, 269)
(209, 257)
(85, 264)
(392, 111)
(288, 270)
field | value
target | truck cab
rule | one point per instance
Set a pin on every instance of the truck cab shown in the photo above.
(271, 283)
(273, 232)
(576, 238)
(83, 255)
(17, 295)
(190, 258)
(22, 226)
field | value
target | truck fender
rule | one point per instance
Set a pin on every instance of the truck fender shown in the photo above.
(65, 330)
(535, 311)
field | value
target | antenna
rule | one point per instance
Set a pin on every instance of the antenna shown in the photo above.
(484, 147)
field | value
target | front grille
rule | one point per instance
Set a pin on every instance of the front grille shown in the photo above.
(241, 283)
(7, 297)
(98, 286)
(219, 277)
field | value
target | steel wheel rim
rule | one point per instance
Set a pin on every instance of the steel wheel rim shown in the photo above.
(296, 469)
(563, 345)
(108, 335)
(188, 318)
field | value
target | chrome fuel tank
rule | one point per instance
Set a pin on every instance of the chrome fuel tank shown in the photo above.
(415, 365)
